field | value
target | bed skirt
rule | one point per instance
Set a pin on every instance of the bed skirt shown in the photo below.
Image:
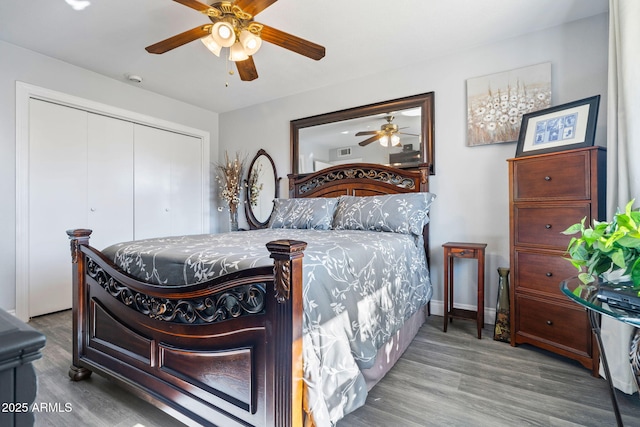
(389, 353)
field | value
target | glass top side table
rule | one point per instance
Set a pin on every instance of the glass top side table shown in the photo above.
(587, 296)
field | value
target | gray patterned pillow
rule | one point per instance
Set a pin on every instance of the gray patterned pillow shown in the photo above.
(316, 213)
(405, 213)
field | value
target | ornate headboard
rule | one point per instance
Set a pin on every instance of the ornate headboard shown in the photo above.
(361, 179)
(358, 179)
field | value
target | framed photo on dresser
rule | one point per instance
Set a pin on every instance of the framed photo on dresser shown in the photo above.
(559, 128)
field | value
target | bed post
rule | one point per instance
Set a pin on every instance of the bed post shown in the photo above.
(287, 393)
(78, 237)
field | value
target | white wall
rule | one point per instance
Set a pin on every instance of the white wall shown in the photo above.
(20, 64)
(471, 182)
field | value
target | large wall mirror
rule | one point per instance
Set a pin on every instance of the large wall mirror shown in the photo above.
(262, 188)
(397, 133)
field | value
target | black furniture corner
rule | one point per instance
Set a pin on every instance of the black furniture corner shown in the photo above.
(20, 345)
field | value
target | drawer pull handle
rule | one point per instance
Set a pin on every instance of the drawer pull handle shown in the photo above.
(547, 178)
(462, 253)
(547, 226)
(549, 274)
(549, 322)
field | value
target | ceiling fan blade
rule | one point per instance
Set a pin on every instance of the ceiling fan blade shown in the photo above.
(180, 39)
(369, 140)
(247, 70)
(292, 43)
(367, 132)
(194, 4)
(254, 7)
(410, 134)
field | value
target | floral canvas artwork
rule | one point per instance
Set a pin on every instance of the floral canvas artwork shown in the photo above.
(497, 102)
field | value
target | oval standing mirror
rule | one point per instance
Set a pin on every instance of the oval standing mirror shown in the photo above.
(262, 188)
(397, 133)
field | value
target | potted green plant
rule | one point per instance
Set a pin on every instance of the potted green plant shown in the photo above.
(609, 250)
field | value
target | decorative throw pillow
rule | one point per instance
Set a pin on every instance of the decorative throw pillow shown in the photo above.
(316, 213)
(405, 213)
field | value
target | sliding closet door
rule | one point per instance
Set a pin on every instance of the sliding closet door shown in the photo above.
(75, 169)
(57, 200)
(168, 183)
(80, 176)
(110, 179)
(186, 187)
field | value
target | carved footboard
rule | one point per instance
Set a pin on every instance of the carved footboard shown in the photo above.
(226, 352)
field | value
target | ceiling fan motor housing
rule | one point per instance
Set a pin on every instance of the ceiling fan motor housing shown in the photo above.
(389, 128)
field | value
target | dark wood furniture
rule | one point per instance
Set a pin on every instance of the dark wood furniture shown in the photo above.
(20, 345)
(422, 102)
(411, 157)
(244, 371)
(453, 250)
(262, 173)
(547, 194)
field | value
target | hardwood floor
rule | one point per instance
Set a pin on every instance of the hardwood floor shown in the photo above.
(444, 379)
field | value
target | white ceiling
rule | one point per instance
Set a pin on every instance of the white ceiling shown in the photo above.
(361, 37)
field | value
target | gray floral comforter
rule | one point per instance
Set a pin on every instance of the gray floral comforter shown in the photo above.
(359, 288)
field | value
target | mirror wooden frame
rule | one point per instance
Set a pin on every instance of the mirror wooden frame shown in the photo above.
(254, 223)
(424, 101)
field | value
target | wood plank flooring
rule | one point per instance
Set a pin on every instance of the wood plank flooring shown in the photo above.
(444, 379)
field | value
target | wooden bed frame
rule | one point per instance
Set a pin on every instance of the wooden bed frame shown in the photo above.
(240, 367)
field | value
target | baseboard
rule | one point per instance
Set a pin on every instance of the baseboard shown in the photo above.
(437, 308)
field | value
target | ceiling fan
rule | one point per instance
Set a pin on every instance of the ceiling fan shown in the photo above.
(388, 133)
(233, 27)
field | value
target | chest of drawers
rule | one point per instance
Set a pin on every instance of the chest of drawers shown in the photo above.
(547, 194)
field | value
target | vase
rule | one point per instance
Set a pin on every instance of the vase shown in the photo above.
(233, 218)
(502, 329)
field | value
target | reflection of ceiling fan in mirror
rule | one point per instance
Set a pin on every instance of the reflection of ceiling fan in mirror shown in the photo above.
(389, 133)
(233, 27)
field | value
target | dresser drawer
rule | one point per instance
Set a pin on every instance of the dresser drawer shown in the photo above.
(554, 324)
(563, 177)
(542, 225)
(540, 272)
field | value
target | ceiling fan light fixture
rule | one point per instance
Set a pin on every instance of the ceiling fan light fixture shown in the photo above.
(223, 34)
(211, 44)
(386, 139)
(237, 53)
(250, 42)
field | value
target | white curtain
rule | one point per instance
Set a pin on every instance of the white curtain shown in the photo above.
(623, 156)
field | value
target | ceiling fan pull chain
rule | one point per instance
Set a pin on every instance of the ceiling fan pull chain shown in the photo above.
(229, 71)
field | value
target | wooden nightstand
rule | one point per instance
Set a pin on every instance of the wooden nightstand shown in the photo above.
(454, 250)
